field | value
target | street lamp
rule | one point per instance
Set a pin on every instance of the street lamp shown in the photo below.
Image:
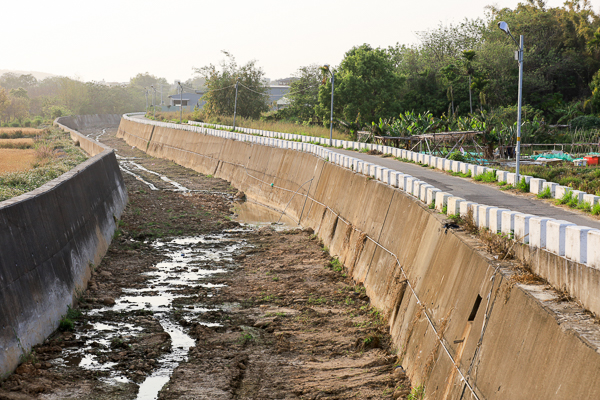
(180, 102)
(519, 56)
(326, 67)
(237, 81)
(153, 101)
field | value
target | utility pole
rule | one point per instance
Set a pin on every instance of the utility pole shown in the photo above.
(146, 94)
(153, 101)
(180, 103)
(161, 97)
(237, 81)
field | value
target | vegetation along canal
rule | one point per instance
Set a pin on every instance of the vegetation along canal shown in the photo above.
(190, 303)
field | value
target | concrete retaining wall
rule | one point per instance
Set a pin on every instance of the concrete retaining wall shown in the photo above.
(453, 314)
(48, 239)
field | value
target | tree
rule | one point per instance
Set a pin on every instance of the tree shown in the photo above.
(10, 80)
(220, 82)
(304, 93)
(4, 102)
(366, 87)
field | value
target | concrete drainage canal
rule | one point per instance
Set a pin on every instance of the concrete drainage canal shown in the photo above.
(189, 266)
(189, 303)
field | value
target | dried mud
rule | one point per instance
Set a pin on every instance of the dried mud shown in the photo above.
(274, 318)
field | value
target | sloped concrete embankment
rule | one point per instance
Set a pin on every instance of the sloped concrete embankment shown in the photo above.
(49, 238)
(452, 313)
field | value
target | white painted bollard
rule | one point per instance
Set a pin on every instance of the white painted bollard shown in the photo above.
(441, 200)
(559, 191)
(464, 168)
(592, 199)
(465, 206)
(511, 178)
(456, 166)
(521, 228)
(483, 215)
(366, 168)
(495, 219)
(431, 192)
(417, 187)
(453, 205)
(578, 194)
(576, 243)
(421, 158)
(473, 170)
(439, 163)
(423, 192)
(537, 231)
(409, 183)
(593, 245)
(555, 236)
(536, 185)
(448, 165)
(383, 174)
(373, 170)
(395, 177)
(508, 222)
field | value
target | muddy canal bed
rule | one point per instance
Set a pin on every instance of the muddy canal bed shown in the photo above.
(190, 304)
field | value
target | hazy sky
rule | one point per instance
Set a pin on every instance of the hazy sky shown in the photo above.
(116, 39)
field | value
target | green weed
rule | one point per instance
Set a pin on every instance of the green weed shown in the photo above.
(523, 186)
(545, 194)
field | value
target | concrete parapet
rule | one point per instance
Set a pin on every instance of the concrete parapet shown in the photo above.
(495, 219)
(537, 232)
(501, 176)
(431, 193)
(536, 185)
(552, 186)
(423, 192)
(576, 248)
(559, 191)
(593, 245)
(453, 205)
(466, 206)
(556, 235)
(508, 223)
(483, 215)
(456, 166)
(464, 168)
(441, 199)
(591, 198)
(521, 227)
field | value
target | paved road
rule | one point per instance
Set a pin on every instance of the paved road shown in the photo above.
(479, 193)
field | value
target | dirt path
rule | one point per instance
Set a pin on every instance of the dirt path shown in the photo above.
(231, 312)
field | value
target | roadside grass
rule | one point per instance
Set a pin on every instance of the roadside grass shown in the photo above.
(586, 179)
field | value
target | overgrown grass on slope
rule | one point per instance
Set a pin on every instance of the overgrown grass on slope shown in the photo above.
(55, 155)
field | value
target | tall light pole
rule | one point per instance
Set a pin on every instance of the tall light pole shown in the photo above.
(153, 101)
(237, 81)
(180, 103)
(519, 56)
(326, 67)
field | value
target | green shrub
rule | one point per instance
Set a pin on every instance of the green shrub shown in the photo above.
(523, 186)
(489, 176)
(14, 124)
(585, 122)
(545, 194)
(596, 209)
(566, 197)
(585, 206)
(457, 156)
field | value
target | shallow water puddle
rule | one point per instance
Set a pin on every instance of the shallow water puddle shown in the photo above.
(254, 214)
(189, 262)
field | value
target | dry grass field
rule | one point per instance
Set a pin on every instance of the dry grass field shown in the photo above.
(12, 160)
(12, 143)
(26, 131)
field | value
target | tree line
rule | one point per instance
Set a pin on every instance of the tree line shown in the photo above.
(459, 76)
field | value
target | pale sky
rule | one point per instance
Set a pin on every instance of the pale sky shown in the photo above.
(116, 39)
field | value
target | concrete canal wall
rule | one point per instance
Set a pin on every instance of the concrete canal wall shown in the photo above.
(50, 237)
(461, 326)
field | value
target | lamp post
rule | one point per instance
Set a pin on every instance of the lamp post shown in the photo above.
(237, 81)
(326, 67)
(153, 101)
(180, 103)
(519, 56)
